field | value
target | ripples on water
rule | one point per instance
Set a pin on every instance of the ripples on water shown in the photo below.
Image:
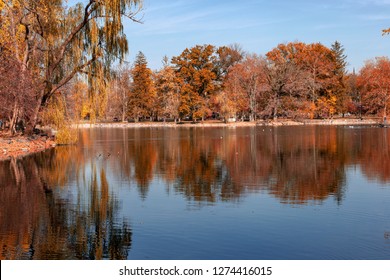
(201, 193)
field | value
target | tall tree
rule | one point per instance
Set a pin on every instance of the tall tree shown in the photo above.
(57, 43)
(168, 92)
(13, 82)
(374, 84)
(316, 62)
(142, 94)
(340, 86)
(120, 87)
(285, 78)
(196, 71)
(355, 94)
(232, 100)
(252, 80)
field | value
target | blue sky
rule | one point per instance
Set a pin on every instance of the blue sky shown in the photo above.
(258, 26)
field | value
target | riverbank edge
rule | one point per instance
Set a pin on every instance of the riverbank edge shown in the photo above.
(331, 122)
(21, 146)
(17, 147)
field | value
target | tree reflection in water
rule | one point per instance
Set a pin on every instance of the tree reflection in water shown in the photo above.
(38, 222)
(296, 164)
(61, 205)
(225, 165)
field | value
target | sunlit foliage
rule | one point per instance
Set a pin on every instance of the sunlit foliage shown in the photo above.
(54, 43)
(374, 85)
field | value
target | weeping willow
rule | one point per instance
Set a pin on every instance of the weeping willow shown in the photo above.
(57, 42)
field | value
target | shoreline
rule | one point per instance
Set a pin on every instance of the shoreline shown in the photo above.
(21, 146)
(14, 147)
(281, 122)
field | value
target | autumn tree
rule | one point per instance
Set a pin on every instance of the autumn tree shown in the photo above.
(14, 105)
(340, 85)
(77, 99)
(119, 89)
(17, 88)
(228, 56)
(285, 81)
(195, 69)
(142, 95)
(354, 93)
(251, 82)
(56, 43)
(374, 83)
(318, 62)
(314, 65)
(167, 91)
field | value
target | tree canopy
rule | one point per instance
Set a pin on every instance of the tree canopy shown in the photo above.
(55, 42)
(62, 54)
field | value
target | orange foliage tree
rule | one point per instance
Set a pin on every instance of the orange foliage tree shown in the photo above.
(248, 80)
(142, 94)
(306, 71)
(168, 92)
(196, 71)
(284, 80)
(374, 84)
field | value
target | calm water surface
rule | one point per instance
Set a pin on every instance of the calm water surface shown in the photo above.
(201, 193)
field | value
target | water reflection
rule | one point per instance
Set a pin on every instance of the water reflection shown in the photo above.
(40, 221)
(64, 204)
(296, 165)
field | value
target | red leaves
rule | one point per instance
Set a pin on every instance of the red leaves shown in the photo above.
(374, 84)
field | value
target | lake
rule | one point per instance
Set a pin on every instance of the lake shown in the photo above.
(306, 192)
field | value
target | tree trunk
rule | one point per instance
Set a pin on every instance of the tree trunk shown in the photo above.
(275, 113)
(14, 118)
(34, 117)
(123, 115)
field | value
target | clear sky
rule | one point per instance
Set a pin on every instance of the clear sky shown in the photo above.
(170, 26)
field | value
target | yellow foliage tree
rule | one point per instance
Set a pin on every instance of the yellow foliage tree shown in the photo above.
(57, 42)
(55, 116)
